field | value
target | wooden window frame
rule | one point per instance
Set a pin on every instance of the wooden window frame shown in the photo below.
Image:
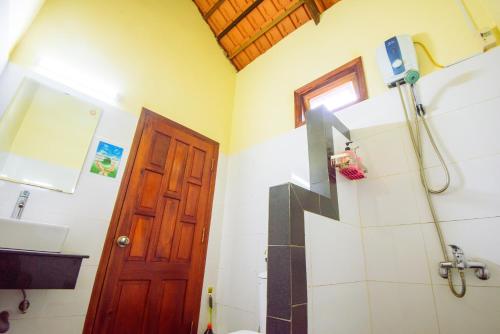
(352, 71)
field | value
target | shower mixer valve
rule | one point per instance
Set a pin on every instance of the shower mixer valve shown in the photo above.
(460, 262)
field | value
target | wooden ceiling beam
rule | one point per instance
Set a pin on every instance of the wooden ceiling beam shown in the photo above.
(239, 18)
(213, 9)
(313, 10)
(266, 28)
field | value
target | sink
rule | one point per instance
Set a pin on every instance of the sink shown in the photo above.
(27, 235)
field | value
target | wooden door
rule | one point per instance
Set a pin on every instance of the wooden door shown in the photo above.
(153, 284)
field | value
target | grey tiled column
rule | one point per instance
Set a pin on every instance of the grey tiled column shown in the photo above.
(287, 282)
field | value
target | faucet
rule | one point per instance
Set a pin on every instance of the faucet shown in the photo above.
(461, 263)
(17, 213)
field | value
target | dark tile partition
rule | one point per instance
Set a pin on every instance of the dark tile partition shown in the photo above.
(287, 280)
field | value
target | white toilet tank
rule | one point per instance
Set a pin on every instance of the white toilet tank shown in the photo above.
(262, 279)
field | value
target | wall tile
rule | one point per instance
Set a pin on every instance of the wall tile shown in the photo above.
(384, 153)
(473, 193)
(278, 283)
(340, 308)
(396, 254)
(389, 200)
(298, 275)
(402, 308)
(335, 251)
(278, 326)
(279, 215)
(299, 316)
(477, 312)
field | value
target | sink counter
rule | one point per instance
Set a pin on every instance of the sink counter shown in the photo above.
(26, 269)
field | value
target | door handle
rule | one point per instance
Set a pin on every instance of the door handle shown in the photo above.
(122, 241)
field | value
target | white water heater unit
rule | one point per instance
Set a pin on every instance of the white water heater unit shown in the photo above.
(397, 60)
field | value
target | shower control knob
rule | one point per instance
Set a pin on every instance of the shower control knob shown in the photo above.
(122, 241)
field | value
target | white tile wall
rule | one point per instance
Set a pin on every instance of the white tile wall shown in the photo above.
(402, 308)
(401, 247)
(334, 251)
(340, 308)
(396, 254)
(389, 200)
(477, 312)
(337, 291)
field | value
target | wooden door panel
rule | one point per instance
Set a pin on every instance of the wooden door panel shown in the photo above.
(130, 306)
(139, 240)
(159, 149)
(177, 170)
(154, 284)
(171, 306)
(191, 203)
(197, 166)
(185, 242)
(165, 235)
(149, 191)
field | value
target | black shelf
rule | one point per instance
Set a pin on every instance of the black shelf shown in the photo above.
(24, 269)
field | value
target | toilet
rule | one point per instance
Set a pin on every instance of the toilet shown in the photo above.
(262, 282)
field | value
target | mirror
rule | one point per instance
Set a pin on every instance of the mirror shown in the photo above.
(45, 135)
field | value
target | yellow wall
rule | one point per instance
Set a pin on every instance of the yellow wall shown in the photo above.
(158, 53)
(351, 28)
(57, 128)
(484, 13)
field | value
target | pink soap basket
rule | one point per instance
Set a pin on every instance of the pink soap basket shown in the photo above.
(349, 164)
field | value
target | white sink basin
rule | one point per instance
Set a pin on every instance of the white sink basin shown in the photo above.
(21, 234)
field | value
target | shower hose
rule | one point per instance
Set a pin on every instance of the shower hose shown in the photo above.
(416, 140)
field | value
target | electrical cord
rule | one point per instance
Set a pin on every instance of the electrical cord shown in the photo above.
(429, 55)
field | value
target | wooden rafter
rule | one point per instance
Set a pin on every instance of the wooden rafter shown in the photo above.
(313, 10)
(239, 18)
(267, 27)
(213, 9)
(245, 29)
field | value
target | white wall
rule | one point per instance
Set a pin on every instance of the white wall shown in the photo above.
(401, 247)
(87, 212)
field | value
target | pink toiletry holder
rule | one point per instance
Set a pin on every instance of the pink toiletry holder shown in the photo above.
(349, 164)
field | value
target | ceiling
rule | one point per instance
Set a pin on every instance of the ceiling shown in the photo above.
(245, 29)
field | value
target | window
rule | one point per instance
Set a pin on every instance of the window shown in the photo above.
(336, 90)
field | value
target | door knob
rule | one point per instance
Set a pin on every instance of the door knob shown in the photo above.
(122, 241)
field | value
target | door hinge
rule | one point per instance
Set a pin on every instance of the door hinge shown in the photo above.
(203, 236)
(212, 165)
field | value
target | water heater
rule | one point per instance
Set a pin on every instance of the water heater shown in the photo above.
(397, 60)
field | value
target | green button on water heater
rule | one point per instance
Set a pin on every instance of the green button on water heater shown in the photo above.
(412, 77)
